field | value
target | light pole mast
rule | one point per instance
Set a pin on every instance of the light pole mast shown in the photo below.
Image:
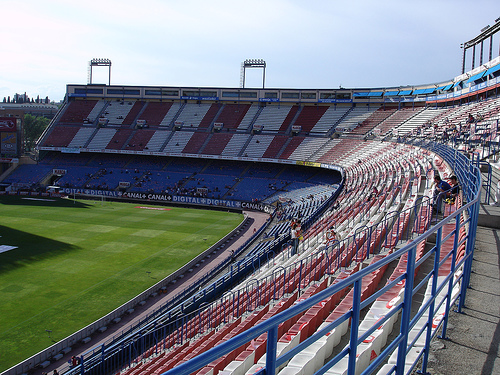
(252, 63)
(100, 62)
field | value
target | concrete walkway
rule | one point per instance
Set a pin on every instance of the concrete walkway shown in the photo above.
(473, 336)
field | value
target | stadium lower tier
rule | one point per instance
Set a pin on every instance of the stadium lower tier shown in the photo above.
(134, 176)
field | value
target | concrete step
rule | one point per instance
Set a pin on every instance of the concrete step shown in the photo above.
(489, 216)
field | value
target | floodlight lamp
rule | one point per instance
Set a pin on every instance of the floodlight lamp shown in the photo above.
(254, 62)
(100, 61)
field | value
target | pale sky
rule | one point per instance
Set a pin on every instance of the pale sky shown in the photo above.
(310, 44)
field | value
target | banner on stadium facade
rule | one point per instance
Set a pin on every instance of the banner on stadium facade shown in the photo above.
(9, 160)
(8, 124)
(258, 207)
(152, 197)
(102, 121)
(479, 86)
(8, 142)
(335, 101)
(91, 192)
(269, 100)
(68, 150)
(182, 199)
(308, 163)
(212, 98)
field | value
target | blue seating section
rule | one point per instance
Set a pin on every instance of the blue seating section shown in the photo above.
(217, 186)
(76, 176)
(160, 182)
(263, 170)
(297, 174)
(322, 177)
(144, 163)
(231, 168)
(253, 188)
(186, 165)
(28, 174)
(242, 181)
(109, 161)
(67, 159)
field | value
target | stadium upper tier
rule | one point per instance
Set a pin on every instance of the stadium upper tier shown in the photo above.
(251, 131)
(278, 124)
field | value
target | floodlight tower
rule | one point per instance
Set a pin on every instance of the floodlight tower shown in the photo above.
(252, 63)
(99, 62)
(487, 32)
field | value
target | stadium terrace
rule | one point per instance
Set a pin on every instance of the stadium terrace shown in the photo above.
(369, 278)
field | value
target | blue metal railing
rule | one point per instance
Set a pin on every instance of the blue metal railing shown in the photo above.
(171, 316)
(442, 297)
(113, 357)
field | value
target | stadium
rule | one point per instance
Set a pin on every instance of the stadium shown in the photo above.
(371, 278)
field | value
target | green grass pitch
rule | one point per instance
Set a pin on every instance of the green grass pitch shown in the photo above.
(75, 261)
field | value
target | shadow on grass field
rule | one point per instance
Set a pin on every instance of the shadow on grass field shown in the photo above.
(76, 261)
(35, 248)
(43, 202)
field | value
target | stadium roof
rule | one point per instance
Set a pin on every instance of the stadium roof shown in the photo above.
(475, 77)
(492, 70)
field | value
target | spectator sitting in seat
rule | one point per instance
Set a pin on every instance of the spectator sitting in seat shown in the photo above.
(331, 236)
(470, 119)
(373, 194)
(453, 192)
(441, 187)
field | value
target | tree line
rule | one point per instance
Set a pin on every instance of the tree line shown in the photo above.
(34, 126)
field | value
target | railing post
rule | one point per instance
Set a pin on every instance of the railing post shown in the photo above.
(452, 279)
(368, 242)
(406, 313)
(103, 357)
(353, 341)
(469, 252)
(82, 365)
(271, 351)
(435, 271)
(300, 277)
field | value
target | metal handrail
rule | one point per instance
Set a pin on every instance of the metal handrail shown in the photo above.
(271, 325)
